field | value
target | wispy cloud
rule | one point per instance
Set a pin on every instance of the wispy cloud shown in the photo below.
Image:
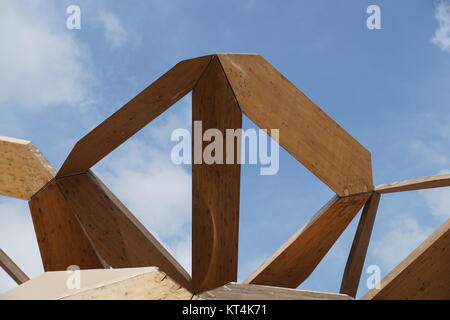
(402, 236)
(18, 240)
(115, 33)
(442, 35)
(152, 187)
(438, 200)
(42, 64)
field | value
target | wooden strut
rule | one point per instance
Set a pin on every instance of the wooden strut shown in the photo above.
(297, 258)
(12, 269)
(215, 187)
(356, 258)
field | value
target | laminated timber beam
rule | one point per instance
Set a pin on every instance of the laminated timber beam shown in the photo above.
(62, 241)
(306, 132)
(242, 291)
(297, 258)
(137, 113)
(423, 275)
(215, 187)
(23, 168)
(437, 181)
(358, 251)
(12, 269)
(118, 237)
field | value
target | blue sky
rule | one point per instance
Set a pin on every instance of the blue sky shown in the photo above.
(388, 88)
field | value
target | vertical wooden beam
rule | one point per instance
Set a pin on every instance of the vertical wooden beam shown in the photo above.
(215, 187)
(121, 240)
(357, 256)
(12, 269)
(297, 258)
(62, 242)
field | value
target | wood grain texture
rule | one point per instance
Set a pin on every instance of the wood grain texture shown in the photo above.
(151, 285)
(306, 132)
(437, 181)
(120, 284)
(136, 114)
(120, 239)
(242, 291)
(357, 256)
(62, 242)
(215, 188)
(423, 275)
(12, 269)
(23, 168)
(297, 258)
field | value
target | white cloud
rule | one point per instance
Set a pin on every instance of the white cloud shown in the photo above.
(42, 63)
(403, 235)
(115, 33)
(18, 240)
(155, 190)
(433, 153)
(442, 34)
(438, 200)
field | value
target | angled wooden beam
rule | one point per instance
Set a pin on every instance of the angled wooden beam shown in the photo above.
(423, 275)
(119, 238)
(62, 242)
(215, 187)
(306, 132)
(12, 269)
(23, 168)
(136, 114)
(297, 258)
(429, 182)
(357, 256)
(242, 291)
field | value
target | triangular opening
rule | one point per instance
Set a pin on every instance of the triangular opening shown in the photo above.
(142, 175)
(273, 207)
(404, 220)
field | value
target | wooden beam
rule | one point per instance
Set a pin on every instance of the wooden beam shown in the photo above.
(23, 168)
(118, 284)
(437, 181)
(150, 285)
(136, 114)
(297, 258)
(12, 269)
(120, 239)
(306, 132)
(357, 256)
(62, 242)
(423, 275)
(215, 187)
(242, 291)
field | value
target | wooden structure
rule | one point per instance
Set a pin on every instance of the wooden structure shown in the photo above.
(79, 221)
